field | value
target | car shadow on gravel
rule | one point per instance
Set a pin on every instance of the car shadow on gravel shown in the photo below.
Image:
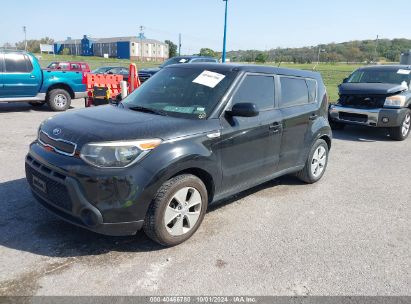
(288, 180)
(16, 107)
(362, 134)
(26, 226)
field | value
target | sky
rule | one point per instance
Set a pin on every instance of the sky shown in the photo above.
(257, 24)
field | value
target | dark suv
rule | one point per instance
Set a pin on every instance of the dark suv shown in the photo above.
(191, 136)
(376, 96)
(145, 74)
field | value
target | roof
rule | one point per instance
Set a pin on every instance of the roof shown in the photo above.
(265, 69)
(386, 67)
(12, 51)
(111, 40)
(192, 57)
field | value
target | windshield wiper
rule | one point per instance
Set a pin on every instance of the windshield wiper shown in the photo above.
(148, 110)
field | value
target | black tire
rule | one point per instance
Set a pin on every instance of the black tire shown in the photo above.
(336, 125)
(37, 103)
(154, 225)
(58, 100)
(397, 133)
(306, 175)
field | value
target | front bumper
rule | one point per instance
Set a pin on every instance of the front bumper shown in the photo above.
(104, 207)
(383, 117)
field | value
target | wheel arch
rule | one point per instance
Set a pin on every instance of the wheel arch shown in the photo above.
(327, 139)
(204, 176)
(62, 86)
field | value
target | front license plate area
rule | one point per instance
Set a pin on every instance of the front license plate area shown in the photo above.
(39, 184)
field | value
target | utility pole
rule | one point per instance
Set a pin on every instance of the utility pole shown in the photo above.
(25, 37)
(376, 49)
(141, 41)
(225, 32)
(179, 44)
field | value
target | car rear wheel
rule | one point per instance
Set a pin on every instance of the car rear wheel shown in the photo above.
(401, 133)
(316, 163)
(59, 100)
(177, 210)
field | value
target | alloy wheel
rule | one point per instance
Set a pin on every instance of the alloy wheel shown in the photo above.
(406, 125)
(183, 211)
(60, 100)
(318, 161)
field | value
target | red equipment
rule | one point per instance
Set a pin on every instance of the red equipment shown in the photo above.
(109, 82)
(133, 80)
(106, 88)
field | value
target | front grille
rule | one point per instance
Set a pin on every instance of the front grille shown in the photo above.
(143, 77)
(362, 101)
(59, 145)
(353, 117)
(55, 192)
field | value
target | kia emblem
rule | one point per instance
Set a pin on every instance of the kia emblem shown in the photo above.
(57, 131)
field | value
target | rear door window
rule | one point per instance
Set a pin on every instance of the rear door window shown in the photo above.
(294, 91)
(257, 89)
(17, 63)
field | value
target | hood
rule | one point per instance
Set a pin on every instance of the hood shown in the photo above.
(150, 71)
(109, 123)
(370, 88)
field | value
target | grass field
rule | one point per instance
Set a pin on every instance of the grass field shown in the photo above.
(333, 74)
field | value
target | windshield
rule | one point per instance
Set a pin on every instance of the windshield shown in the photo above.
(175, 60)
(53, 65)
(182, 92)
(101, 70)
(380, 76)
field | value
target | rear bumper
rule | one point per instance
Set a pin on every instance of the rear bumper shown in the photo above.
(80, 95)
(367, 117)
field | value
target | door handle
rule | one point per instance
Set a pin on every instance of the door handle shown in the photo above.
(275, 127)
(313, 116)
(32, 76)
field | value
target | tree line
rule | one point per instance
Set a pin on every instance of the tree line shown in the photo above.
(354, 51)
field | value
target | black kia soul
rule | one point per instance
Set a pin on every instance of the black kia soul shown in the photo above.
(191, 136)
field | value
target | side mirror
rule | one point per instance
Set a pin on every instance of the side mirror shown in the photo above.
(345, 80)
(244, 110)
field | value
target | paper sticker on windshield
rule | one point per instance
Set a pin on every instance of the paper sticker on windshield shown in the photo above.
(183, 60)
(209, 79)
(404, 72)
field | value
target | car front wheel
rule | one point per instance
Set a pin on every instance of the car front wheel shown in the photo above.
(401, 133)
(177, 210)
(316, 163)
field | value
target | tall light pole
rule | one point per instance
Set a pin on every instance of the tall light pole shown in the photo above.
(320, 50)
(225, 32)
(25, 37)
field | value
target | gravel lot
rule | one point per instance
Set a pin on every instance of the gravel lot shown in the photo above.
(347, 235)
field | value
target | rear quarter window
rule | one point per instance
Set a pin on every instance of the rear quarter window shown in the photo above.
(312, 90)
(1, 63)
(294, 92)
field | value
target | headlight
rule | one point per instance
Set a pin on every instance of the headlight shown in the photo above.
(118, 154)
(397, 101)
